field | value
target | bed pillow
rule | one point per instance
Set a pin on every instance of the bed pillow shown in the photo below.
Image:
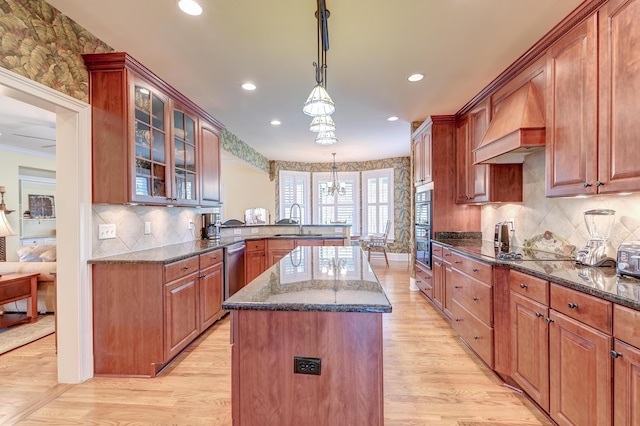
(34, 253)
(49, 255)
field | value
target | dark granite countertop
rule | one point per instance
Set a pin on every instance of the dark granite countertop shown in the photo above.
(601, 282)
(175, 252)
(332, 279)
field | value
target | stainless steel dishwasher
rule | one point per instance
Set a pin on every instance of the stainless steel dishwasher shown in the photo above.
(233, 269)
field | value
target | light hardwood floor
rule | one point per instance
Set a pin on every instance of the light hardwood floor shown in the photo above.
(431, 378)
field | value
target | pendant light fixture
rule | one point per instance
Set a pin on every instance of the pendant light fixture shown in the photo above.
(326, 138)
(322, 124)
(334, 186)
(319, 103)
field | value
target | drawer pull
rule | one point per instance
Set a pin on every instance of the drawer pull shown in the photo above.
(447, 254)
(549, 320)
(457, 262)
(476, 337)
(438, 264)
(539, 314)
(476, 298)
(457, 286)
(475, 269)
(458, 320)
(185, 267)
(523, 285)
(615, 354)
(572, 305)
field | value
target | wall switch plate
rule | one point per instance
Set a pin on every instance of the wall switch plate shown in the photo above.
(147, 228)
(304, 365)
(106, 232)
(337, 230)
(237, 231)
(254, 230)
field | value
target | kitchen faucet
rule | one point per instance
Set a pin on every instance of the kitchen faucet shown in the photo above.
(299, 215)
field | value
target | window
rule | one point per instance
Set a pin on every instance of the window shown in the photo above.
(294, 188)
(337, 208)
(377, 201)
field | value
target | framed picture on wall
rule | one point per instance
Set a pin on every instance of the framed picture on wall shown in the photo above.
(42, 206)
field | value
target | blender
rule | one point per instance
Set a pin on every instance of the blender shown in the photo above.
(598, 251)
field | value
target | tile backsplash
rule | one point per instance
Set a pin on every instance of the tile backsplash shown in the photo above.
(169, 225)
(562, 216)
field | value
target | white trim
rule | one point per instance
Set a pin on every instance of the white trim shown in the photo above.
(377, 173)
(73, 176)
(305, 203)
(318, 177)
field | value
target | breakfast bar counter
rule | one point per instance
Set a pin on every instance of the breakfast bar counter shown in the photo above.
(307, 341)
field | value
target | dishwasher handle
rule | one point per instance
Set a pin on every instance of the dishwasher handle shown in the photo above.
(236, 249)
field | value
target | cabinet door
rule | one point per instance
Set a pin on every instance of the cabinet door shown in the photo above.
(463, 192)
(438, 282)
(627, 385)
(478, 174)
(580, 373)
(185, 184)
(276, 255)
(209, 164)
(150, 145)
(427, 167)
(530, 347)
(571, 151)
(619, 85)
(255, 264)
(418, 153)
(448, 290)
(181, 314)
(211, 293)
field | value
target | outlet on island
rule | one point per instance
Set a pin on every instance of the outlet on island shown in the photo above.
(304, 365)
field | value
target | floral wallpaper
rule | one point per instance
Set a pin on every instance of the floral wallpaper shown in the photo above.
(40, 43)
(234, 145)
(402, 191)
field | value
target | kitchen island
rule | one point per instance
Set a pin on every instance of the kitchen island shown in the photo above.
(307, 341)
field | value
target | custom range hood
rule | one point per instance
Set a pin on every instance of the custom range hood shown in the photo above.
(516, 130)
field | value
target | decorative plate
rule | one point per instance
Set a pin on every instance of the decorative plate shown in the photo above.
(550, 243)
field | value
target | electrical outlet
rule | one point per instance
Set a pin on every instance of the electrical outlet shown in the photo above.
(147, 228)
(304, 365)
(337, 230)
(237, 231)
(512, 224)
(191, 225)
(254, 230)
(106, 232)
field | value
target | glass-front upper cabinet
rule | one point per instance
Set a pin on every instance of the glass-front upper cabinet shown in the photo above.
(184, 157)
(150, 131)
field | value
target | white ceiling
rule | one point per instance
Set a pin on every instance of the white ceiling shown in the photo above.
(459, 45)
(26, 128)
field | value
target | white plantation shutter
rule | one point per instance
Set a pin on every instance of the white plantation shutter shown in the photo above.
(294, 188)
(377, 205)
(337, 208)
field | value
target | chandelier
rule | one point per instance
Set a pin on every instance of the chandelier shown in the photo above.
(319, 104)
(334, 186)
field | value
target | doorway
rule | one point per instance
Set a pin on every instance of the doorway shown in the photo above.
(74, 230)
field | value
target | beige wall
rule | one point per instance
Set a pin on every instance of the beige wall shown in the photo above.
(10, 162)
(244, 187)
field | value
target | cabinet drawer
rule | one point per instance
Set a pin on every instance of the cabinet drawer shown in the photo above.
(474, 295)
(588, 309)
(529, 286)
(210, 258)
(477, 334)
(424, 281)
(175, 270)
(281, 244)
(335, 242)
(446, 255)
(18, 289)
(625, 321)
(436, 250)
(478, 270)
(255, 245)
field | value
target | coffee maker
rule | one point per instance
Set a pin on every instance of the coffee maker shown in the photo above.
(210, 226)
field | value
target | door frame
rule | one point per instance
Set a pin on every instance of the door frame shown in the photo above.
(74, 227)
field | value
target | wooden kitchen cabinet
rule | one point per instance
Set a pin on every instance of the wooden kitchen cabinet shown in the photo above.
(181, 313)
(626, 366)
(422, 160)
(211, 288)
(482, 183)
(592, 83)
(147, 138)
(438, 272)
(277, 249)
(424, 280)
(255, 259)
(448, 282)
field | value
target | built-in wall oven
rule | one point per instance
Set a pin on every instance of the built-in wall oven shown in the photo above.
(423, 225)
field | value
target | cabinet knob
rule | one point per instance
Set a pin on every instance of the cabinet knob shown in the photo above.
(475, 269)
(447, 254)
(458, 320)
(586, 184)
(539, 314)
(457, 286)
(476, 298)
(185, 267)
(476, 337)
(438, 264)
(549, 320)
(615, 354)
(523, 285)
(457, 262)
(572, 305)
(598, 183)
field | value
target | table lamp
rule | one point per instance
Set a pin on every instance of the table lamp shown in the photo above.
(5, 230)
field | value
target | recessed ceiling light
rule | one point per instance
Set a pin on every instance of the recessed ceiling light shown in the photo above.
(392, 118)
(275, 122)
(249, 86)
(190, 7)
(415, 77)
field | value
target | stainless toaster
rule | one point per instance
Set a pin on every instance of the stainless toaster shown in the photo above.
(629, 259)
